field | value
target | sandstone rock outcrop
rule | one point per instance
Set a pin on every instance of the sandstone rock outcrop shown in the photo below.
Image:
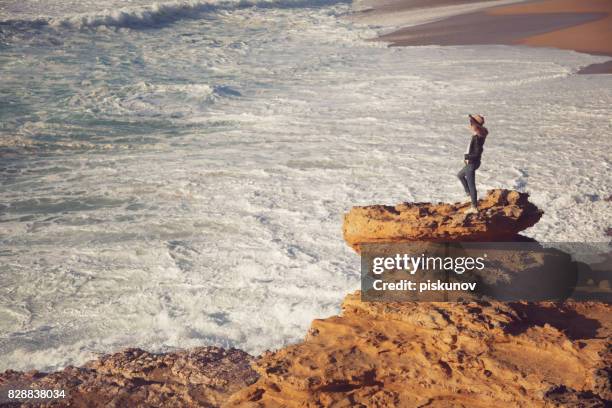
(200, 377)
(442, 355)
(502, 215)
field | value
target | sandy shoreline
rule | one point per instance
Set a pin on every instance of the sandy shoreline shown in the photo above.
(579, 25)
(396, 14)
(401, 5)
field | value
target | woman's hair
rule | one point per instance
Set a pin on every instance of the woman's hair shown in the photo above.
(482, 131)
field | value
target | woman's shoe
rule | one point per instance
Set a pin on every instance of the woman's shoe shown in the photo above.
(472, 210)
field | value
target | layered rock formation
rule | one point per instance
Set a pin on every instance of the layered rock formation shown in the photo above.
(200, 377)
(502, 215)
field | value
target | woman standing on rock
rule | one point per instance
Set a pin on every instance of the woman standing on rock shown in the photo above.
(467, 175)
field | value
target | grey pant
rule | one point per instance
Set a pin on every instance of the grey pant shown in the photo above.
(467, 176)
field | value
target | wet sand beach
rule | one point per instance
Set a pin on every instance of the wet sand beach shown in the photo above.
(580, 25)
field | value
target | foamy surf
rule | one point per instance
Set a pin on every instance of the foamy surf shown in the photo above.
(171, 101)
(150, 15)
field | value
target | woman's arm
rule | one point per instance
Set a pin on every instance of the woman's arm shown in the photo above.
(475, 150)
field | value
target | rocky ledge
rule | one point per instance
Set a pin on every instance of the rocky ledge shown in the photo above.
(502, 215)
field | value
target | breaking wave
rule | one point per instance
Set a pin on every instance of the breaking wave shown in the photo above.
(155, 15)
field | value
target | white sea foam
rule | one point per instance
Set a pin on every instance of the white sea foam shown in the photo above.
(184, 185)
(154, 100)
(141, 14)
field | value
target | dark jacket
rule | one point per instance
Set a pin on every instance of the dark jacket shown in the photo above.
(475, 151)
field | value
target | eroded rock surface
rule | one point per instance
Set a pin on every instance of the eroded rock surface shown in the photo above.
(440, 355)
(200, 377)
(502, 215)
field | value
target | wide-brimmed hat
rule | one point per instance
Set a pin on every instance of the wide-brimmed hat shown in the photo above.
(479, 119)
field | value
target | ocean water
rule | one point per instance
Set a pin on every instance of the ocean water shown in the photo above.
(175, 174)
